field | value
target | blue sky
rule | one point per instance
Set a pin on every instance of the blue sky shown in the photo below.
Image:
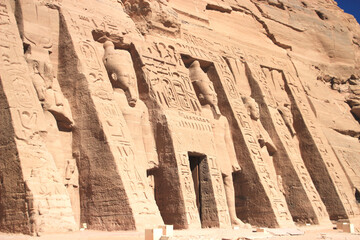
(350, 6)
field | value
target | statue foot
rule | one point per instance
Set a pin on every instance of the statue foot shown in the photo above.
(238, 222)
(247, 226)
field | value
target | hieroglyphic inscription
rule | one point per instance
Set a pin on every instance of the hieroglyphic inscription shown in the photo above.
(242, 118)
(8, 37)
(299, 166)
(168, 77)
(216, 178)
(187, 185)
(262, 166)
(271, 81)
(193, 122)
(37, 165)
(4, 14)
(116, 132)
(206, 48)
(83, 25)
(348, 158)
(335, 171)
(14, 78)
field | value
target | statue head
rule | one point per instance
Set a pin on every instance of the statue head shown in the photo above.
(109, 45)
(119, 66)
(204, 88)
(252, 107)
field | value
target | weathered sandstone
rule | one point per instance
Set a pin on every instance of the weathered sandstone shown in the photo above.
(130, 114)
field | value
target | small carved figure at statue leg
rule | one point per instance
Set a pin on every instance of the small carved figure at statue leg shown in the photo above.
(34, 224)
(33, 211)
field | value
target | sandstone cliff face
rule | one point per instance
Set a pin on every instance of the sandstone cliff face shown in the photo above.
(210, 113)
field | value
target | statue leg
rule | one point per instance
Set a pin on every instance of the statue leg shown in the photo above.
(32, 226)
(230, 197)
(37, 228)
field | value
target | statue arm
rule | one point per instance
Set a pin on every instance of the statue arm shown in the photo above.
(149, 140)
(57, 104)
(59, 98)
(230, 147)
(271, 148)
(288, 120)
(39, 85)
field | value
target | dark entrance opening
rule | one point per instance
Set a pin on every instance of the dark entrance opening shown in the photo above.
(357, 195)
(196, 176)
(205, 199)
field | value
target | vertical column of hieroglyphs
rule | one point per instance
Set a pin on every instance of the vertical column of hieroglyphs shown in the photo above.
(271, 208)
(39, 30)
(264, 168)
(160, 64)
(115, 193)
(348, 157)
(320, 160)
(299, 190)
(172, 90)
(47, 202)
(12, 187)
(192, 132)
(218, 186)
(213, 162)
(176, 202)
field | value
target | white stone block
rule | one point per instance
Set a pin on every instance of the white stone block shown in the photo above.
(340, 223)
(348, 227)
(153, 234)
(168, 230)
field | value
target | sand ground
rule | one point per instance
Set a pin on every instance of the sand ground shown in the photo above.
(310, 233)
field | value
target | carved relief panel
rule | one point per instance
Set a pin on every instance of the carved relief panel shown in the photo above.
(46, 186)
(83, 30)
(223, 79)
(325, 156)
(279, 108)
(168, 77)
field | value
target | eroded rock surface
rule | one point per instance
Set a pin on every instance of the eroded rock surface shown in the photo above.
(131, 114)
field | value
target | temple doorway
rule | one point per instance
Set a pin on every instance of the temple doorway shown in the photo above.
(205, 198)
(195, 162)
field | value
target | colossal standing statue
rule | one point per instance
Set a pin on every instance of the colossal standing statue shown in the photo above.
(58, 117)
(122, 75)
(225, 152)
(285, 112)
(267, 146)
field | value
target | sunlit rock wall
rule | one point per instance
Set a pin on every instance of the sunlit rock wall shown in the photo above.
(131, 114)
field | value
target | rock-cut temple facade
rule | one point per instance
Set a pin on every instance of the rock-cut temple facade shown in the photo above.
(126, 115)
